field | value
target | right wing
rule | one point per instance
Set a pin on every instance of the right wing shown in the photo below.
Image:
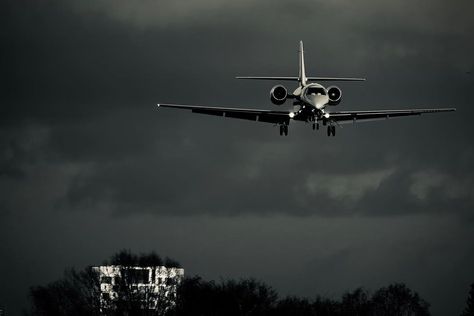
(344, 117)
(267, 116)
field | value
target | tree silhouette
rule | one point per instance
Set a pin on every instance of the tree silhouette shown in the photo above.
(326, 307)
(294, 306)
(78, 292)
(245, 297)
(398, 300)
(469, 310)
(125, 258)
(356, 303)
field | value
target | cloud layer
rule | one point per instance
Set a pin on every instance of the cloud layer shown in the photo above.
(88, 164)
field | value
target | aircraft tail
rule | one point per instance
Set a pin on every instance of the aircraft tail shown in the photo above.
(302, 79)
(302, 72)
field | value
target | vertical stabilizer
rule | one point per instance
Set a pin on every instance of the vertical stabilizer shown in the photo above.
(302, 73)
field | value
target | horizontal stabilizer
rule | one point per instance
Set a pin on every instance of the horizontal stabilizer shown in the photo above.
(335, 79)
(296, 78)
(270, 78)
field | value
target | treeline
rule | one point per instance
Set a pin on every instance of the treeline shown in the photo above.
(126, 258)
(250, 297)
(78, 293)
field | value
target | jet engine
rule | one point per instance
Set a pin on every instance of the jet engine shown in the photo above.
(335, 95)
(278, 95)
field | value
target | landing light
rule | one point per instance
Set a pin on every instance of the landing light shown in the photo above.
(326, 115)
(292, 115)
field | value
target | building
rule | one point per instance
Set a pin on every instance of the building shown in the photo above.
(146, 287)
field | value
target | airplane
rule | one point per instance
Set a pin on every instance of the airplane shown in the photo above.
(311, 103)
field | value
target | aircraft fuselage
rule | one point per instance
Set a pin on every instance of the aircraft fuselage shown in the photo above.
(312, 99)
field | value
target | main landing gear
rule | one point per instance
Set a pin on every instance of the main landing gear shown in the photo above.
(315, 126)
(283, 129)
(331, 130)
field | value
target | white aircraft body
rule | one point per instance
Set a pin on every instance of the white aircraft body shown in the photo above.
(311, 102)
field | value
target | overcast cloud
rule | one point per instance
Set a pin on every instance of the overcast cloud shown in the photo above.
(89, 165)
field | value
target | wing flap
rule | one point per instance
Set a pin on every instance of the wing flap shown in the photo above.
(367, 116)
(204, 111)
(267, 116)
(241, 115)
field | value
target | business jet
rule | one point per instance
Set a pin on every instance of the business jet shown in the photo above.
(311, 104)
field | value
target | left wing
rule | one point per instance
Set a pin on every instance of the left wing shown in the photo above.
(345, 117)
(276, 117)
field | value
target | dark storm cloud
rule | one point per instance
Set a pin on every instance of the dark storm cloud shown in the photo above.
(84, 149)
(91, 73)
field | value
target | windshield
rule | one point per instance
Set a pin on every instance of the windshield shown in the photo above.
(315, 91)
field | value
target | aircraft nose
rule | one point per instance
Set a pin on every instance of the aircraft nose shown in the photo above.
(318, 100)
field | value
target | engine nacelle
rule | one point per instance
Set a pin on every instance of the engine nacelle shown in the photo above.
(335, 95)
(278, 95)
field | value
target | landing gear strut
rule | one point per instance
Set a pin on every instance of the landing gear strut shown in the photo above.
(331, 130)
(284, 129)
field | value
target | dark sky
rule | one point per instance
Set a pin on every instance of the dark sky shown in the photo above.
(89, 165)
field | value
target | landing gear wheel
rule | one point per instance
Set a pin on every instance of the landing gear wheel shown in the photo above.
(314, 126)
(317, 125)
(331, 130)
(281, 130)
(285, 129)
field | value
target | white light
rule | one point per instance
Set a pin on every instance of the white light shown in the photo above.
(292, 115)
(326, 115)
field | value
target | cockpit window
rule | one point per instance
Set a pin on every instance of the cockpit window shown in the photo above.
(315, 91)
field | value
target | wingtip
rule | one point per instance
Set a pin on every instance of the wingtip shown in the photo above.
(158, 105)
(448, 109)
